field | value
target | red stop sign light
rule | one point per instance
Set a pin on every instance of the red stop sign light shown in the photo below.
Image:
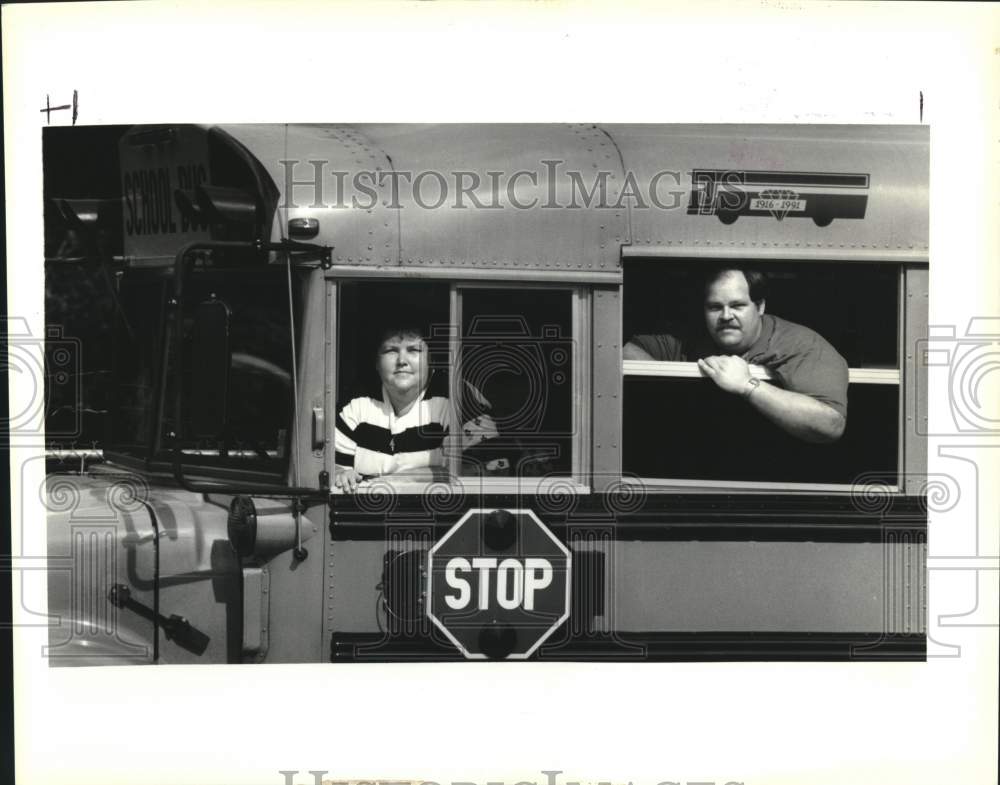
(498, 584)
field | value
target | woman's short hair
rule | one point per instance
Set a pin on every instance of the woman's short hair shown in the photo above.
(392, 330)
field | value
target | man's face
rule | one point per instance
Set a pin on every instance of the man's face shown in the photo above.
(732, 318)
(402, 363)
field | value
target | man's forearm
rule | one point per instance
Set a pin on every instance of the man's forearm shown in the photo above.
(798, 414)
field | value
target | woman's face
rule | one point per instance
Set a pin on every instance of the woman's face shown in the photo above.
(402, 364)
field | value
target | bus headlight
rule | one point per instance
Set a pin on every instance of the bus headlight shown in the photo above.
(242, 525)
(267, 531)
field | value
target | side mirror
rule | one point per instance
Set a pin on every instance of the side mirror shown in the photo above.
(91, 227)
(230, 206)
(210, 361)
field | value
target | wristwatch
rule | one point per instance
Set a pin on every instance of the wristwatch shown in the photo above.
(752, 384)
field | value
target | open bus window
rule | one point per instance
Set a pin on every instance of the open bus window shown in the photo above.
(497, 390)
(679, 425)
(687, 429)
(394, 418)
(516, 382)
(254, 434)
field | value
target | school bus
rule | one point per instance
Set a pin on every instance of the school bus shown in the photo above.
(595, 507)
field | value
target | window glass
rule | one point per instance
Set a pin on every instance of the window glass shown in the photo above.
(516, 382)
(688, 429)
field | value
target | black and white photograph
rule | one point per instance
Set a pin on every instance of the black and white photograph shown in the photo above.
(502, 393)
(488, 391)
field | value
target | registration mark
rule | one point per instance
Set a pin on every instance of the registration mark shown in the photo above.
(779, 205)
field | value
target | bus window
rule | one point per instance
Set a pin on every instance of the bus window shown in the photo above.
(516, 382)
(681, 427)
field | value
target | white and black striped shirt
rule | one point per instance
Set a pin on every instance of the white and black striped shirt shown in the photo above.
(372, 439)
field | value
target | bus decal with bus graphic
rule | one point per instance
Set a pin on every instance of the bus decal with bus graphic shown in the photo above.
(822, 196)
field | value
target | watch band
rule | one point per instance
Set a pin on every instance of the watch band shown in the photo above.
(752, 384)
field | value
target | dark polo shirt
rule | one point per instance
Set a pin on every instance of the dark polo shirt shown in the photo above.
(800, 359)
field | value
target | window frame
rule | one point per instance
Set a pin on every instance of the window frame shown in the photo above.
(884, 376)
(576, 482)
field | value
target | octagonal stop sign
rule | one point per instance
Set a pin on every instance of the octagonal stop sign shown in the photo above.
(498, 584)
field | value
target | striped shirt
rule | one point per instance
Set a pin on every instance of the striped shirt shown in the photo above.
(370, 437)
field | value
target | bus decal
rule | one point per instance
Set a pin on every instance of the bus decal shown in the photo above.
(822, 196)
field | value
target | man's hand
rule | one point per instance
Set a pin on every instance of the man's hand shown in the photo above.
(729, 372)
(347, 479)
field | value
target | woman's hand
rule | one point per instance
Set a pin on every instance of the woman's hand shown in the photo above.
(347, 479)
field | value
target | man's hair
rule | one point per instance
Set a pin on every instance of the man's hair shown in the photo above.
(756, 280)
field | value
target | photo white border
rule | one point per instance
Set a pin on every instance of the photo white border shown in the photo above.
(781, 61)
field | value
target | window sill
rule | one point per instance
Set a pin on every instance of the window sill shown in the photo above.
(439, 481)
(682, 370)
(658, 485)
(679, 370)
